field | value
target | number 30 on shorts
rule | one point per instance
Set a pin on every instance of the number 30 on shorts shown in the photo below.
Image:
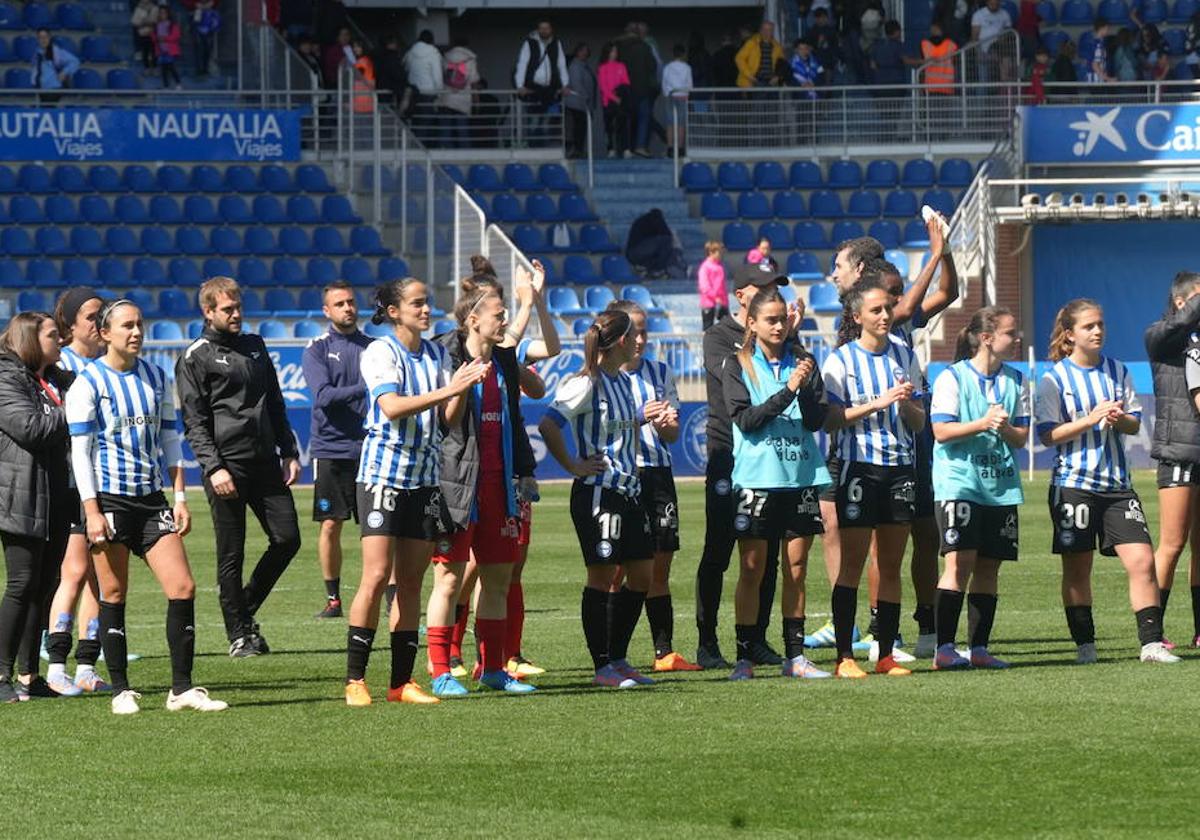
(1075, 516)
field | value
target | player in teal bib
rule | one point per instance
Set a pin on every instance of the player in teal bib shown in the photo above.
(980, 415)
(776, 400)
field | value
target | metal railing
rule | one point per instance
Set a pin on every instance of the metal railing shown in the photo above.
(996, 59)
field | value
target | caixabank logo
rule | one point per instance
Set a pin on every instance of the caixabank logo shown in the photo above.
(1109, 135)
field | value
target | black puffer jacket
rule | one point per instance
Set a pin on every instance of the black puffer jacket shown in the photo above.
(1176, 423)
(460, 446)
(33, 451)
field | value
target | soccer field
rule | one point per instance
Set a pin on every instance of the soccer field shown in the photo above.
(1046, 748)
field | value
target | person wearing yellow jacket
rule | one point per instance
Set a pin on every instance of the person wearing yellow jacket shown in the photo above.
(757, 57)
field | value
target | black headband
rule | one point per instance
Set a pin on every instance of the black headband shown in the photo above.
(74, 299)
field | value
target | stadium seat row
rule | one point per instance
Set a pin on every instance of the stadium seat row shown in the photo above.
(93, 48)
(517, 177)
(1082, 13)
(41, 16)
(810, 236)
(170, 178)
(734, 176)
(167, 210)
(537, 207)
(824, 204)
(592, 238)
(156, 240)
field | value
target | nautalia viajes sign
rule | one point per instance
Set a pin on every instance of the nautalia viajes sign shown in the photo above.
(1110, 133)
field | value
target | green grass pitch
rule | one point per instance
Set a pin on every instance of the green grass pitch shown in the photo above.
(1047, 748)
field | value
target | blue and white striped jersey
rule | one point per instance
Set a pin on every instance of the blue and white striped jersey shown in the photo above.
(127, 413)
(402, 453)
(653, 380)
(68, 359)
(1095, 460)
(604, 418)
(855, 376)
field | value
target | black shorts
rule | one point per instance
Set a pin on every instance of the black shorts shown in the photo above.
(990, 530)
(777, 514)
(333, 489)
(870, 495)
(612, 527)
(834, 464)
(137, 522)
(391, 512)
(1178, 474)
(662, 506)
(78, 524)
(1082, 518)
(924, 468)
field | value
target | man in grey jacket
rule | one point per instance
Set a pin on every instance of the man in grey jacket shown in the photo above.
(581, 99)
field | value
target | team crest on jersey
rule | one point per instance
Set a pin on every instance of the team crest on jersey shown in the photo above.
(1134, 512)
(375, 519)
(853, 511)
(1067, 538)
(952, 536)
(604, 549)
(166, 522)
(741, 522)
(722, 487)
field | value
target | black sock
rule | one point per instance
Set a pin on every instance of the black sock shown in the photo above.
(1164, 595)
(358, 651)
(87, 649)
(923, 615)
(1196, 609)
(1149, 624)
(660, 614)
(793, 637)
(112, 639)
(404, 654)
(949, 610)
(627, 609)
(1079, 622)
(843, 604)
(181, 641)
(333, 589)
(389, 595)
(873, 626)
(746, 634)
(981, 615)
(58, 645)
(889, 626)
(593, 610)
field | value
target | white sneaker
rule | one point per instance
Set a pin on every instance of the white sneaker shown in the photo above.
(126, 703)
(1086, 654)
(898, 655)
(194, 698)
(1157, 652)
(926, 646)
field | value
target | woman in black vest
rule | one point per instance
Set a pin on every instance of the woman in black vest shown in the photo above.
(1176, 444)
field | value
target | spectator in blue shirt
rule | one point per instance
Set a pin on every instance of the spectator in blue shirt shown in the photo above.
(53, 66)
(888, 60)
(807, 72)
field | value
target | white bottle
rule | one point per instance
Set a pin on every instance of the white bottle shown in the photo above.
(928, 213)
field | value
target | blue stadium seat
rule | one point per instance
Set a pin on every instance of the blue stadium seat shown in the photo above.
(11, 276)
(366, 241)
(519, 177)
(86, 242)
(24, 47)
(777, 233)
(899, 259)
(302, 210)
(552, 276)
(580, 326)
(144, 300)
(823, 299)
(312, 179)
(738, 236)
(30, 301)
(97, 49)
(955, 172)
(1116, 12)
(641, 296)
(659, 324)
(788, 204)
(887, 232)
(573, 207)
(166, 331)
(845, 230)
(940, 200)
(616, 269)
(234, 210)
(579, 270)
(103, 178)
(377, 330)
(69, 178)
(43, 274)
(357, 272)
(554, 176)
(260, 240)
(443, 326)
(717, 206)
(810, 236)
(484, 178)
(72, 16)
(268, 210)
(252, 305)
(915, 235)
(562, 300)
(18, 78)
(900, 204)
(803, 267)
(597, 298)
(61, 210)
(769, 175)
(165, 210)
(121, 79)
(864, 204)
(122, 242)
(455, 174)
(295, 241)
(77, 272)
(183, 272)
(241, 179)
(251, 271)
(35, 178)
(26, 210)
(271, 329)
(112, 273)
(139, 179)
(1054, 40)
(131, 210)
(734, 176)
(1048, 12)
(37, 16)
(320, 272)
(311, 300)
(199, 210)
(508, 208)
(6, 54)
(825, 204)
(595, 238)
(148, 272)
(528, 238)
(390, 268)
(845, 175)
(217, 267)
(882, 174)
(1075, 13)
(307, 329)
(8, 180)
(1183, 10)
(5, 219)
(52, 242)
(697, 177)
(572, 239)
(173, 179)
(206, 178)
(336, 210)
(226, 242)
(328, 240)
(276, 179)
(805, 175)
(754, 205)
(287, 272)
(918, 173)
(1175, 40)
(195, 328)
(542, 208)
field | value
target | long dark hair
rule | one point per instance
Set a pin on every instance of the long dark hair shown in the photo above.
(1060, 336)
(1183, 283)
(606, 331)
(20, 338)
(985, 320)
(849, 330)
(388, 294)
(745, 356)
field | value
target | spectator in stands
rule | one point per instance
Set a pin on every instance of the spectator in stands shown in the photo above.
(1125, 60)
(458, 98)
(639, 61)
(425, 69)
(1098, 60)
(677, 83)
(389, 69)
(613, 80)
(166, 47)
(724, 63)
(1192, 46)
(144, 16)
(310, 54)
(954, 17)
(870, 24)
(337, 55)
(826, 45)
(888, 61)
(364, 79)
(1036, 92)
(541, 73)
(714, 293)
(1150, 45)
(762, 254)
(206, 20)
(988, 23)
(1028, 27)
(1063, 73)
(581, 100)
(939, 76)
(699, 60)
(757, 58)
(806, 70)
(53, 66)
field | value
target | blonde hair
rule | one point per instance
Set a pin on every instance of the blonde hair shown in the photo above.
(1061, 343)
(213, 287)
(712, 246)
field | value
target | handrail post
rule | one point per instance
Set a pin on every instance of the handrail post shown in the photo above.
(404, 189)
(377, 137)
(430, 251)
(591, 151)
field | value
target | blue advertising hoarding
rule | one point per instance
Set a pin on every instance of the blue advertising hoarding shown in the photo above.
(1110, 133)
(185, 134)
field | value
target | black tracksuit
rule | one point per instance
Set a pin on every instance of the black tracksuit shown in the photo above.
(721, 341)
(235, 419)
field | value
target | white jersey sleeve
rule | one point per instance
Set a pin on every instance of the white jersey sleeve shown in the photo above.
(945, 402)
(381, 370)
(833, 373)
(573, 397)
(1048, 405)
(80, 407)
(670, 390)
(1128, 394)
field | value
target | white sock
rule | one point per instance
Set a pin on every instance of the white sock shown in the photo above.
(82, 671)
(55, 670)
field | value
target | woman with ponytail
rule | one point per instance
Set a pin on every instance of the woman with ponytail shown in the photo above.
(980, 417)
(604, 418)
(1086, 405)
(776, 400)
(411, 392)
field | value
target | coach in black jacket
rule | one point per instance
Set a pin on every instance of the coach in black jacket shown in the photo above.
(236, 422)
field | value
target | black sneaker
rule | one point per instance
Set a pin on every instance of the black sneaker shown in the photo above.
(8, 694)
(333, 609)
(256, 639)
(38, 689)
(762, 654)
(709, 658)
(242, 647)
